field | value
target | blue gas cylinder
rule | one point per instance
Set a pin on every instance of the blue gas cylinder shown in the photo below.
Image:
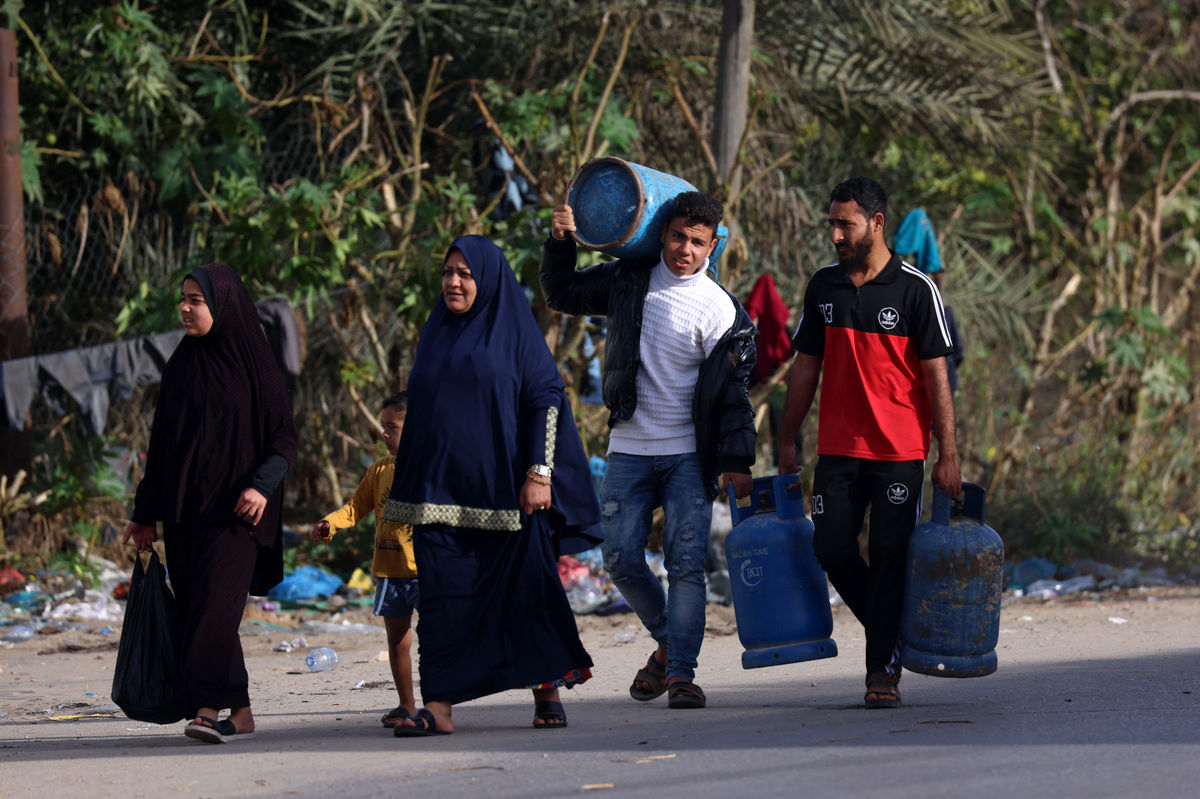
(950, 621)
(621, 207)
(780, 594)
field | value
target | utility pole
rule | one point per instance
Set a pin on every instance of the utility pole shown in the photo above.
(14, 301)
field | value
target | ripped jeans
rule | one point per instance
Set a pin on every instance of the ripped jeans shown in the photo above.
(634, 485)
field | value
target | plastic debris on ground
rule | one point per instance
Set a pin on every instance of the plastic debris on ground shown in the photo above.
(1045, 589)
(322, 658)
(362, 582)
(306, 582)
(1043, 579)
(95, 606)
(17, 633)
(1032, 570)
(312, 627)
(588, 589)
(290, 645)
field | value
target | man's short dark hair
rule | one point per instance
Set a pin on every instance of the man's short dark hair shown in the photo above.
(697, 208)
(399, 401)
(869, 195)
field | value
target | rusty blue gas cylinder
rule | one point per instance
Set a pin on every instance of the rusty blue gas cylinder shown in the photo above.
(950, 620)
(621, 207)
(780, 594)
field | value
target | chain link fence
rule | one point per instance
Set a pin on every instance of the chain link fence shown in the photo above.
(93, 244)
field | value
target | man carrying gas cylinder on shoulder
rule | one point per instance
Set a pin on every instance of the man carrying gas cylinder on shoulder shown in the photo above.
(677, 364)
(875, 326)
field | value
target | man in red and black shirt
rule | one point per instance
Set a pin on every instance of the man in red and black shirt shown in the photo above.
(876, 328)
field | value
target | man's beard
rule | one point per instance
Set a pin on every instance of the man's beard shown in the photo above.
(856, 253)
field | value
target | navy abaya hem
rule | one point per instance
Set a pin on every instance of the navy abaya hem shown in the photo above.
(493, 614)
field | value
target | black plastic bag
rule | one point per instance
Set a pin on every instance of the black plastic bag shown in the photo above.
(146, 677)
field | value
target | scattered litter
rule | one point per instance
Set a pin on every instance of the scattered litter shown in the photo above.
(96, 606)
(361, 582)
(107, 646)
(306, 582)
(17, 633)
(358, 686)
(1047, 589)
(624, 638)
(86, 712)
(322, 658)
(1118, 620)
(315, 627)
(290, 646)
(596, 786)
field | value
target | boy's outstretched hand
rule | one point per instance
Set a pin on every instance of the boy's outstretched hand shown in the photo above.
(320, 532)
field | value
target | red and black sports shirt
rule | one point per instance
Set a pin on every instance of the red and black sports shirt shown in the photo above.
(872, 340)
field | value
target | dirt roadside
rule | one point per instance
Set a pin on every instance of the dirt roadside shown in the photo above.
(67, 675)
(57, 720)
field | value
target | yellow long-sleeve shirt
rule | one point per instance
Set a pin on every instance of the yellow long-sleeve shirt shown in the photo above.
(393, 541)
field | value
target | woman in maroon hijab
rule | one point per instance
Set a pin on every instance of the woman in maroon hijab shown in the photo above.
(222, 440)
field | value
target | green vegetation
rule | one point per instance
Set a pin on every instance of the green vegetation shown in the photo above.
(332, 150)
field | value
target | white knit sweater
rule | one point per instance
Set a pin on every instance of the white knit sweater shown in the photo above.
(683, 318)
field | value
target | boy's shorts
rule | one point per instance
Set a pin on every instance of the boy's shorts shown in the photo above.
(396, 597)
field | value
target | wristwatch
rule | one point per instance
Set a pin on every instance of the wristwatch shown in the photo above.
(541, 470)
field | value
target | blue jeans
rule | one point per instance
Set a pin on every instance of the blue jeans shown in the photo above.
(634, 486)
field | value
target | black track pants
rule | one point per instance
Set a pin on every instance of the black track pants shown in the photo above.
(843, 488)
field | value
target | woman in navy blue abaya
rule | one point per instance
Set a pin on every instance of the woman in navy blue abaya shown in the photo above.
(493, 477)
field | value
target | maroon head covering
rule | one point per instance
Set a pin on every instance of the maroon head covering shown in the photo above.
(223, 422)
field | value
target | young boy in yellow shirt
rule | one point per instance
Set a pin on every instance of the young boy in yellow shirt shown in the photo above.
(393, 565)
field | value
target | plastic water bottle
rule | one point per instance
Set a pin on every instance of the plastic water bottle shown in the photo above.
(321, 659)
(17, 633)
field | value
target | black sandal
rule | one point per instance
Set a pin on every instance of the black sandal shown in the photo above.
(686, 695)
(654, 675)
(882, 691)
(551, 714)
(424, 725)
(395, 716)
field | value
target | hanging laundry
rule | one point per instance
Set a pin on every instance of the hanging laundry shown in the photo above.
(768, 311)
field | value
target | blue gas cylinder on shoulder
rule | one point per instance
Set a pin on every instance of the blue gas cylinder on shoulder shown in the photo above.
(950, 620)
(780, 593)
(621, 207)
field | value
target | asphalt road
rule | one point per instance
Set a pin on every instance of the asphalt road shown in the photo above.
(1090, 699)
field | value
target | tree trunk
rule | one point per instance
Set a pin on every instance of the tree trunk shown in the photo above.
(733, 88)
